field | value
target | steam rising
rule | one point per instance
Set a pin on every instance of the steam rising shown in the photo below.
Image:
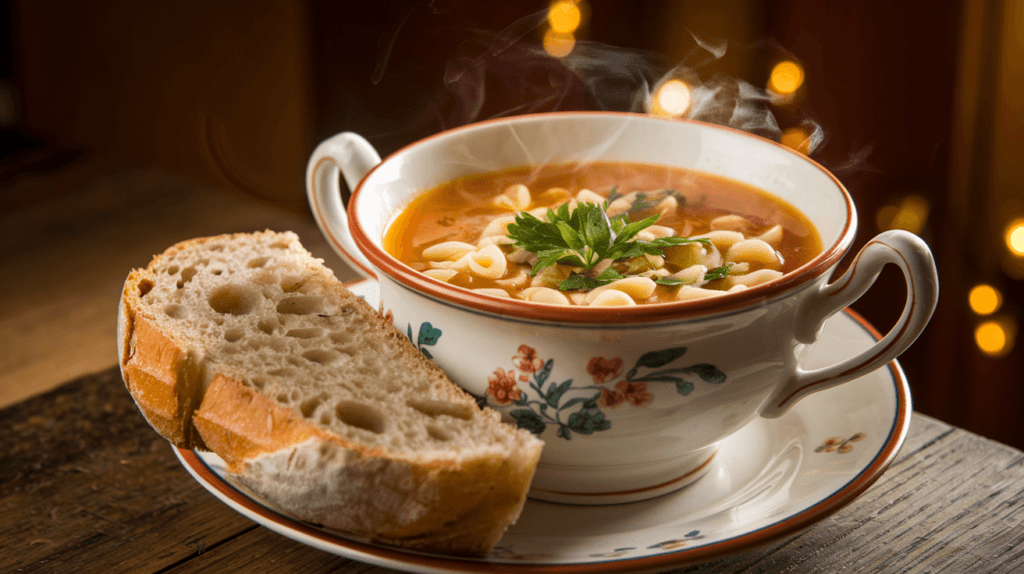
(509, 73)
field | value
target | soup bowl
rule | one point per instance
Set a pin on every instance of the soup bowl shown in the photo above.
(630, 401)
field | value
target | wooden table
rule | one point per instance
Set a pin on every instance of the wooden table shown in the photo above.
(87, 486)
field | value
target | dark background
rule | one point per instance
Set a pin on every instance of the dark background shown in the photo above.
(913, 98)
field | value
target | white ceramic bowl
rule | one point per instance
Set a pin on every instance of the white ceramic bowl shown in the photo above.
(631, 401)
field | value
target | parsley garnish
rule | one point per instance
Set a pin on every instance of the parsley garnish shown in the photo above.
(711, 275)
(584, 238)
(718, 272)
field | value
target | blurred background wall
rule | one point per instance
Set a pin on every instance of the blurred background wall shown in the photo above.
(914, 105)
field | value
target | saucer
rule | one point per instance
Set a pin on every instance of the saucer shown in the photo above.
(770, 480)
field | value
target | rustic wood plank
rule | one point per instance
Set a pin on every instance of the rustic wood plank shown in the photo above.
(261, 550)
(924, 432)
(87, 485)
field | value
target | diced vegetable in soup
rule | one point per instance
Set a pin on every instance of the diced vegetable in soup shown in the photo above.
(601, 234)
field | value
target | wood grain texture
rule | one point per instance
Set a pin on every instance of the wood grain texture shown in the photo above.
(86, 485)
(69, 240)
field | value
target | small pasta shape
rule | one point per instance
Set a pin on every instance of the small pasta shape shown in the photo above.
(517, 281)
(691, 293)
(753, 279)
(498, 226)
(636, 287)
(693, 275)
(461, 265)
(493, 292)
(540, 213)
(736, 223)
(545, 295)
(660, 231)
(621, 205)
(753, 251)
(441, 274)
(612, 298)
(709, 257)
(515, 198)
(587, 196)
(555, 195)
(519, 255)
(772, 237)
(447, 251)
(722, 239)
(656, 261)
(495, 240)
(667, 205)
(489, 262)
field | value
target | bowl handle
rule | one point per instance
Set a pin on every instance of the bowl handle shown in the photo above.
(913, 257)
(352, 156)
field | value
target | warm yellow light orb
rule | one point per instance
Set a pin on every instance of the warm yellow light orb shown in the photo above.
(796, 138)
(1015, 237)
(673, 98)
(985, 299)
(558, 45)
(991, 338)
(786, 77)
(564, 17)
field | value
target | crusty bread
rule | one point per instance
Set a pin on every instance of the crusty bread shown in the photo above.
(249, 347)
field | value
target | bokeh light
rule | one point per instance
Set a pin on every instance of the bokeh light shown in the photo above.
(786, 78)
(995, 337)
(1015, 237)
(564, 17)
(558, 45)
(797, 138)
(672, 99)
(911, 214)
(985, 299)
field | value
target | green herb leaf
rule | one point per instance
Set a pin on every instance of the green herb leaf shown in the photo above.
(584, 238)
(577, 282)
(718, 272)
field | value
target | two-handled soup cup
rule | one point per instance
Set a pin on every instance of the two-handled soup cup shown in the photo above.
(631, 401)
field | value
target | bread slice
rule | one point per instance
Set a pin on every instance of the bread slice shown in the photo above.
(249, 347)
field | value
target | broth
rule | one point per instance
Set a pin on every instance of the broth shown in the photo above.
(450, 223)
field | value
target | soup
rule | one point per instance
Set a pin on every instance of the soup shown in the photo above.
(605, 234)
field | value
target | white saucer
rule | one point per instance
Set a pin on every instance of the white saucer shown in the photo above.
(770, 480)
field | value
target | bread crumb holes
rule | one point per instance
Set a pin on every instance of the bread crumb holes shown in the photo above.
(175, 311)
(322, 356)
(360, 416)
(438, 433)
(309, 406)
(235, 299)
(435, 408)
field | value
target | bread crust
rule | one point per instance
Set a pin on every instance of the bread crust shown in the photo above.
(450, 504)
(163, 377)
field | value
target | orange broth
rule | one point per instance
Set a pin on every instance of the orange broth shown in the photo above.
(460, 209)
